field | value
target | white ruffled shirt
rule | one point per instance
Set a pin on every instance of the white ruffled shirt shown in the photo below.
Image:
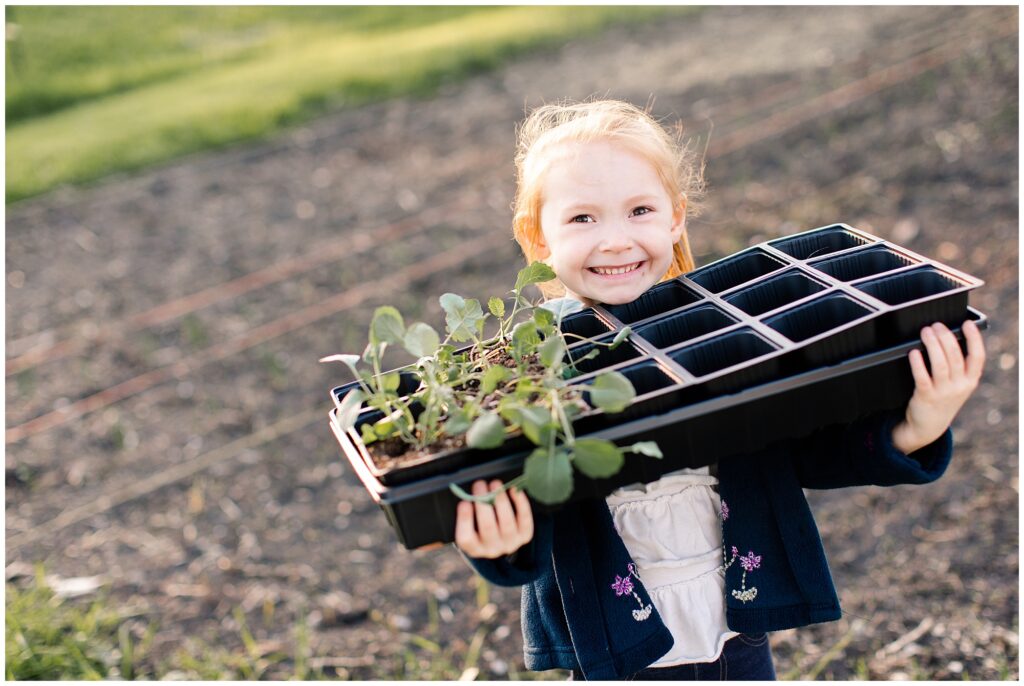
(672, 530)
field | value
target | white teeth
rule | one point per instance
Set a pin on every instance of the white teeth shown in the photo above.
(620, 270)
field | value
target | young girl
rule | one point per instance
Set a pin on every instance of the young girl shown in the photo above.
(681, 578)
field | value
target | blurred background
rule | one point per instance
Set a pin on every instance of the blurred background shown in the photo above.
(203, 201)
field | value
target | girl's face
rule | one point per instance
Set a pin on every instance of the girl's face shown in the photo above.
(605, 208)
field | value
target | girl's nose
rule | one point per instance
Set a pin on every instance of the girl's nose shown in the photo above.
(616, 239)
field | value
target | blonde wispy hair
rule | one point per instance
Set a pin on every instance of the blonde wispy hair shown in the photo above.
(549, 126)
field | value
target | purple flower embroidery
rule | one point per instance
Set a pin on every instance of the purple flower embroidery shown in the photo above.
(725, 511)
(735, 551)
(750, 562)
(622, 586)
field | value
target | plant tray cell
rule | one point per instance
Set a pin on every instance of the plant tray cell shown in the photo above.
(820, 242)
(605, 357)
(586, 324)
(733, 271)
(662, 298)
(775, 292)
(864, 263)
(769, 344)
(684, 326)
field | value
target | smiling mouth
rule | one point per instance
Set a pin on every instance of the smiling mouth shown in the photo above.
(616, 271)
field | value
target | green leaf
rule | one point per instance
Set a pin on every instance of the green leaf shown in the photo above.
(421, 340)
(458, 423)
(525, 338)
(535, 272)
(537, 424)
(649, 448)
(548, 478)
(488, 431)
(368, 435)
(387, 326)
(496, 306)
(551, 351)
(348, 411)
(612, 392)
(390, 382)
(619, 337)
(385, 428)
(545, 319)
(494, 375)
(461, 315)
(597, 458)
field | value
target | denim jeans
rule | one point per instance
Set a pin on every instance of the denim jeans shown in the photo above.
(747, 657)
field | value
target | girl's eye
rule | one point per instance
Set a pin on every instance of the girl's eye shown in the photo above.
(641, 210)
(581, 219)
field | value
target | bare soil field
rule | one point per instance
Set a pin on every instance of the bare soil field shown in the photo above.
(167, 417)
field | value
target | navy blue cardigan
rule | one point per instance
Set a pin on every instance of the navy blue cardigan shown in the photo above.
(584, 608)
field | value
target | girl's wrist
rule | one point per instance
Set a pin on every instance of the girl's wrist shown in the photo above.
(905, 440)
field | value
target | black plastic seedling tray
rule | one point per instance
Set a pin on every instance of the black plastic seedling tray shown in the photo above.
(770, 343)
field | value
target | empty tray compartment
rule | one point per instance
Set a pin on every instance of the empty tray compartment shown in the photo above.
(818, 316)
(905, 287)
(920, 297)
(733, 348)
(662, 297)
(685, 325)
(585, 324)
(863, 263)
(819, 242)
(605, 358)
(733, 271)
(775, 292)
(834, 314)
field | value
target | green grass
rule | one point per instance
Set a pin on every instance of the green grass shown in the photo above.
(50, 638)
(97, 90)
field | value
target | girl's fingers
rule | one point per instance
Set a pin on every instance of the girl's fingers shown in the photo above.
(505, 516)
(936, 355)
(486, 525)
(919, 370)
(954, 356)
(465, 532)
(975, 350)
(524, 514)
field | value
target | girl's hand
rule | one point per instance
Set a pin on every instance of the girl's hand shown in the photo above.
(937, 398)
(499, 530)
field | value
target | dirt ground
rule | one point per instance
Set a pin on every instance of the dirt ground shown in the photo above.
(178, 447)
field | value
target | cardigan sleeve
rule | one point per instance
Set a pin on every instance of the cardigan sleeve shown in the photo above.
(862, 453)
(522, 566)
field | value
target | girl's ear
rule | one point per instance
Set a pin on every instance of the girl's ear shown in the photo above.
(542, 250)
(679, 220)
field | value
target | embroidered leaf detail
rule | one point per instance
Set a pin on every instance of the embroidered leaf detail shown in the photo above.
(548, 478)
(596, 457)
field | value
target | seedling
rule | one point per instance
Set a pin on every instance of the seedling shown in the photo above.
(519, 380)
